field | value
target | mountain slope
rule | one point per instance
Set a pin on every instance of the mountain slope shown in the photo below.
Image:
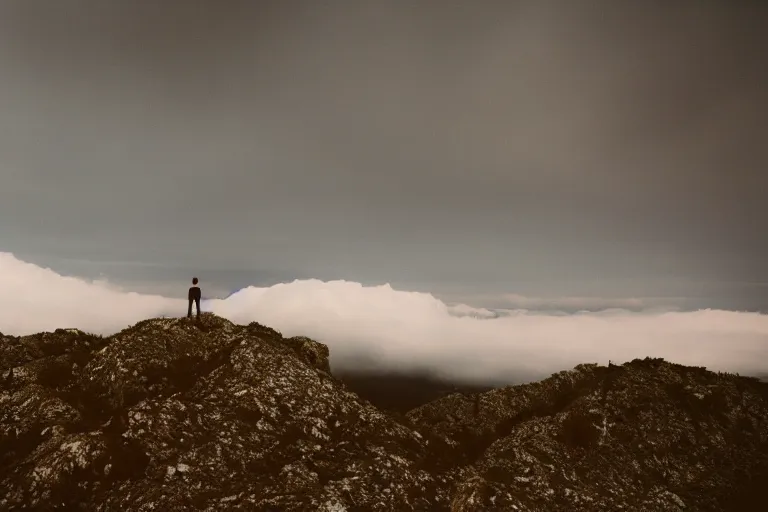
(648, 435)
(172, 414)
(173, 417)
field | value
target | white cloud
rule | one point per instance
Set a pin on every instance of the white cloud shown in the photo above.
(34, 299)
(386, 329)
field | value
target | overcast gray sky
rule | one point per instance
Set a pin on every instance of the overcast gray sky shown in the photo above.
(542, 148)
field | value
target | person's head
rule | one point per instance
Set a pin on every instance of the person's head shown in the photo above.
(194, 280)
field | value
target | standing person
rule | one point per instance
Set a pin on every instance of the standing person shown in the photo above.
(194, 295)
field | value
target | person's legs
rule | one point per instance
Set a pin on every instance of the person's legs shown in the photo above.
(197, 305)
(189, 309)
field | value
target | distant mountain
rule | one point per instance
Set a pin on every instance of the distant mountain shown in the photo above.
(172, 414)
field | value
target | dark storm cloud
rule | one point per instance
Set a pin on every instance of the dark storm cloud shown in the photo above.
(494, 143)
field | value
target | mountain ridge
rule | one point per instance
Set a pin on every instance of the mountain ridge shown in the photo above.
(173, 414)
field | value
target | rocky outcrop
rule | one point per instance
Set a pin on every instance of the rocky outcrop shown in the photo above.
(180, 415)
(648, 435)
(172, 414)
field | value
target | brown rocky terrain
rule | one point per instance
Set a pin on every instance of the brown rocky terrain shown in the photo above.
(171, 414)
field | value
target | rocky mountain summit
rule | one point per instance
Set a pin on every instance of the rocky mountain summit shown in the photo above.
(172, 414)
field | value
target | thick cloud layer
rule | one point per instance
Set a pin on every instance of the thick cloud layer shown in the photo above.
(382, 329)
(474, 144)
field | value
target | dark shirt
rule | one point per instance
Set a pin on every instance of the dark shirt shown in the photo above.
(194, 293)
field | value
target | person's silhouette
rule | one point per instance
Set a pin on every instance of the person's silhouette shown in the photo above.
(194, 295)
